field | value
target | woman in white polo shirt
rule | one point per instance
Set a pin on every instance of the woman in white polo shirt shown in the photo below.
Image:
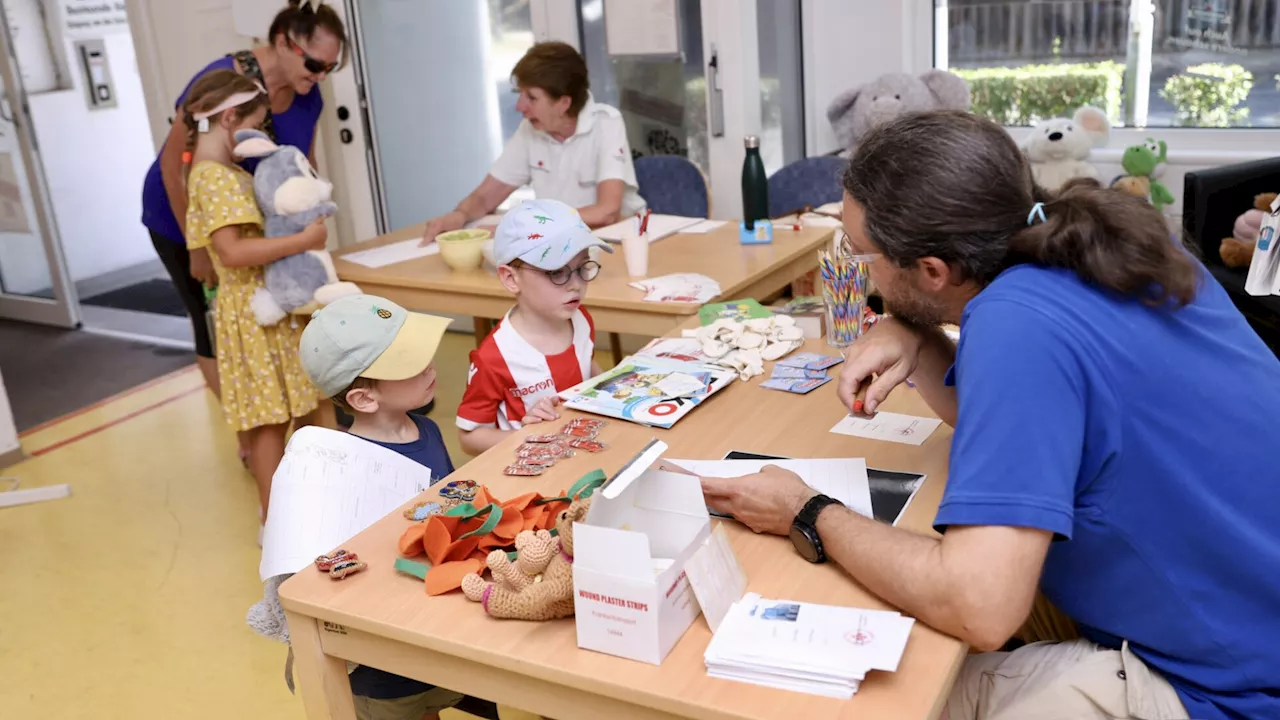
(568, 147)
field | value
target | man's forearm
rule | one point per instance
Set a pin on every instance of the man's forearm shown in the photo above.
(937, 355)
(903, 568)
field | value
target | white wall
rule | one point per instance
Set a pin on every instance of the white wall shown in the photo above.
(95, 162)
(8, 431)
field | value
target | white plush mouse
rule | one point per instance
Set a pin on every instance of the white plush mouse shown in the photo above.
(1059, 148)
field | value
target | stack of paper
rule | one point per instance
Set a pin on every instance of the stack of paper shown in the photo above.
(819, 649)
(844, 479)
(679, 287)
(659, 226)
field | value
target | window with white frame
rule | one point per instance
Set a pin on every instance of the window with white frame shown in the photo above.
(1147, 63)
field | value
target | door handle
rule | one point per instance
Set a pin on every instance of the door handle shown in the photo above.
(715, 96)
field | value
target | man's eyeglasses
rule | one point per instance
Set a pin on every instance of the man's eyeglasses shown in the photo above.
(313, 65)
(587, 271)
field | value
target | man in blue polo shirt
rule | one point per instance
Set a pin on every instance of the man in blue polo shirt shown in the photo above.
(1114, 446)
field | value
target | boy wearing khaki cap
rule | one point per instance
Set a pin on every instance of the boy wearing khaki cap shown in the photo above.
(375, 360)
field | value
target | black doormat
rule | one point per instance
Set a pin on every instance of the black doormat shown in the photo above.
(152, 296)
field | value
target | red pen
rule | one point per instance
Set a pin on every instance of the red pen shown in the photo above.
(644, 221)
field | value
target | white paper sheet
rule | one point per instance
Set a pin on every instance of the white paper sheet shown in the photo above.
(717, 579)
(329, 487)
(485, 222)
(844, 479)
(805, 647)
(659, 226)
(392, 254)
(893, 427)
(703, 227)
(679, 287)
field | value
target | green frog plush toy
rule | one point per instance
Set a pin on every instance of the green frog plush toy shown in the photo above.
(1147, 160)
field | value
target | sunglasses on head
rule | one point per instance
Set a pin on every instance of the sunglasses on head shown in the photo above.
(313, 66)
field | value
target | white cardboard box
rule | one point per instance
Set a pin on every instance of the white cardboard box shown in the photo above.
(631, 595)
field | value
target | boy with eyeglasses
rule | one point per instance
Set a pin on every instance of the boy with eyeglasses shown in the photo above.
(546, 342)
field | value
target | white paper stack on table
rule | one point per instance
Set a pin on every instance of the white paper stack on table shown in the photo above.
(659, 226)
(844, 479)
(818, 649)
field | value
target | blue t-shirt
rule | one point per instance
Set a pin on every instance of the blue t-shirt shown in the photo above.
(427, 450)
(1145, 441)
(295, 126)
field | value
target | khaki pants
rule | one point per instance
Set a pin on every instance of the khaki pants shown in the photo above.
(406, 708)
(1070, 680)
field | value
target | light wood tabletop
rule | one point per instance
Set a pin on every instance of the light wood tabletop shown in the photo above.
(386, 620)
(743, 271)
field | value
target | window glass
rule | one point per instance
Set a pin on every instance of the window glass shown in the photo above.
(1148, 63)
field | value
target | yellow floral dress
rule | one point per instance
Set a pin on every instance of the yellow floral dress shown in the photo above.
(262, 379)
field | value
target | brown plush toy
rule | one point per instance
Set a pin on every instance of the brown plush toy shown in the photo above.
(1138, 187)
(1237, 250)
(539, 584)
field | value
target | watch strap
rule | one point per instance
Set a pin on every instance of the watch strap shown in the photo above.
(809, 513)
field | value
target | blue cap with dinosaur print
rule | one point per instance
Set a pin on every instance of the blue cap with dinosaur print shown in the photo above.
(546, 234)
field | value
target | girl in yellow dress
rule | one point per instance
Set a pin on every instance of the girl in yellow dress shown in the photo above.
(263, 385)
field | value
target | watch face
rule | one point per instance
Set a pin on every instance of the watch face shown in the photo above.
(804, 544)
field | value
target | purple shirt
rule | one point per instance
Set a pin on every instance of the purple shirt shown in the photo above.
(295, 126)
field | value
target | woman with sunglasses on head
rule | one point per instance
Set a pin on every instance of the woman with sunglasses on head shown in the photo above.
(568, 147)
(307, 41)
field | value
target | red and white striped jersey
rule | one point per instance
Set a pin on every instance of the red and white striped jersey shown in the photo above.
(508, 374)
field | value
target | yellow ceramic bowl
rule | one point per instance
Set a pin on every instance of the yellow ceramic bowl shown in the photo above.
(463, 250)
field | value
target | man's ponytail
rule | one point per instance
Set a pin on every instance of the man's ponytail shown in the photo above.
(1111, 240)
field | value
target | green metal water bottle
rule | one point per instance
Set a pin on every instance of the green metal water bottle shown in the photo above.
(755, 185)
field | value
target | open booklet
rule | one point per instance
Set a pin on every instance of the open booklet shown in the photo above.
(648, 390)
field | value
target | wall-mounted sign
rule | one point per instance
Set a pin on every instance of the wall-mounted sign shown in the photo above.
(94, 18)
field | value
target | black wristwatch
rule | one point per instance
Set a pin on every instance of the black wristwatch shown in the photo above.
(804, 529)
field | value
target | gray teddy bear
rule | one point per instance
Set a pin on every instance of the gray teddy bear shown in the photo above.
(856, 111)
(291, 196)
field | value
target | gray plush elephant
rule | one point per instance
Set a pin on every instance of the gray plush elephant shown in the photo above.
(854, 112)
(291, 196)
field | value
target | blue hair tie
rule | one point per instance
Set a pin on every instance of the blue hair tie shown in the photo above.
(1037, 213)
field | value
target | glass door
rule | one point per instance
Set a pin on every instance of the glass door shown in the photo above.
(662, 100)
(737, 72)
(436, 83)
(34, 284)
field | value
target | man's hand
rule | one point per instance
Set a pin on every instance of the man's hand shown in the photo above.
(766, 502)
(454, 220)
(543, 411)
(202, 268)
(889, 351)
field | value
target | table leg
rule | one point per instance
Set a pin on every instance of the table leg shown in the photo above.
(323, 681)
(483, 327)
(615, 344)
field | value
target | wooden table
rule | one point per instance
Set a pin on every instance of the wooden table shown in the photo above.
(743, 271)
(386, 620)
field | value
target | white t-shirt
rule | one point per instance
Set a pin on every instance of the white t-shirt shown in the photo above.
(569, 171)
